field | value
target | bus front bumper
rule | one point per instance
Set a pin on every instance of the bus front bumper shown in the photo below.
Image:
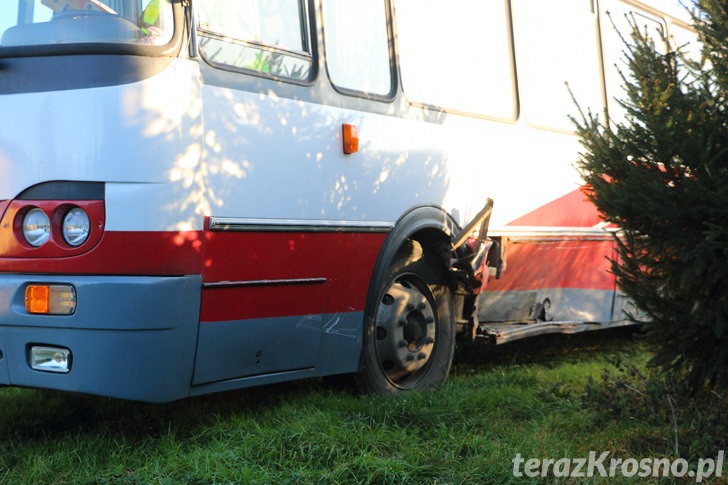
(129, 337)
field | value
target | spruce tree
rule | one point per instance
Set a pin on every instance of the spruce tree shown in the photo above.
(661, 175)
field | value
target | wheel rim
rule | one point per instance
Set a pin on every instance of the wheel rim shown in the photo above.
(406, 330)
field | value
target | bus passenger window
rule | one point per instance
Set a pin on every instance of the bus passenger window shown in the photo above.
(267, 36)
(685, 40)
(457, 55)
(8, 16)
(619, 17)
(557, 54)
(357, 45)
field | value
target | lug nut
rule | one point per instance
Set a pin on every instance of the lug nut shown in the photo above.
(402, 343)
(410, 357)
(421, 356)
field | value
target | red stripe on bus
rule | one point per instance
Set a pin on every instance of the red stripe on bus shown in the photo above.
(556, 264)
(3, 205)
(293, 273)
(571, 210)
(123, 253)
(243, 303)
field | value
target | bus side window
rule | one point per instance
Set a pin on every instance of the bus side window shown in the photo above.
(685, 40)
(457, 55)
(266, 36)
(22, 12)
(557, 56)
(618, 16)
(357, 45)
(9, 16)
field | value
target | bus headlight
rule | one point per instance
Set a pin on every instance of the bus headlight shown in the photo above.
(76, 227)
(36, 227)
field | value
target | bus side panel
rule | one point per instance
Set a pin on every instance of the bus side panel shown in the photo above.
(280, 301)
(556, 266)
(229, 350)
(274, 158)
(559, 280)
(238, 348)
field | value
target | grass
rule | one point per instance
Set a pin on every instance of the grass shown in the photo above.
(526, 398)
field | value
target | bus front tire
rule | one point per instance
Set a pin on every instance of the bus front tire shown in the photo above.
(410, 334)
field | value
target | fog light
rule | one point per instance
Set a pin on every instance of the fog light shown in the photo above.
(50, 299)
(50, 359)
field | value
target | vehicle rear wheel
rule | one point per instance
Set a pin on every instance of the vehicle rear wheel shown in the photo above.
(410, 335)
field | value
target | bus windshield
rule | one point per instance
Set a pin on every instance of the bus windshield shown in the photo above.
(54, 22)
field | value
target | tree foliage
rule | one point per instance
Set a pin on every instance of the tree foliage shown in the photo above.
(661, 175)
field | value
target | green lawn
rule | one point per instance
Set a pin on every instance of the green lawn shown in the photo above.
(526, 398)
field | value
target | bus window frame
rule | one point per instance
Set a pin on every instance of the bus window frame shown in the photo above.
(309, 41)
(612, 95)
(525, 114)
(170, 49)
(394, 86)
(516, 114)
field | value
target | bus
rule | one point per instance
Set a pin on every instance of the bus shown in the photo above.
(201, 196)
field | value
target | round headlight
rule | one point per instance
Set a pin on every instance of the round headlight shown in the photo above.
(76, 227)
(36, 227)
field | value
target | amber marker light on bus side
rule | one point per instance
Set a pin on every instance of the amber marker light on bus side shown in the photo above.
(50, 299)
(351, 138)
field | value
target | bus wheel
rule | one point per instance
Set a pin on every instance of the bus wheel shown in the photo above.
(410, 338)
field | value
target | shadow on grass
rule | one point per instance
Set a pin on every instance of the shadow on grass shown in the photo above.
(30, 414)
(40, 415)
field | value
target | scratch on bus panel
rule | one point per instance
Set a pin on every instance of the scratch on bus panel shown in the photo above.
(309, 322)
(332, 327)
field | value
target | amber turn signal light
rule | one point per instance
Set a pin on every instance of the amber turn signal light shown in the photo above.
(50, 299)
(351, 138)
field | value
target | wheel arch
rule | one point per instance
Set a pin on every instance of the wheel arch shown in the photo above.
(430, 225)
